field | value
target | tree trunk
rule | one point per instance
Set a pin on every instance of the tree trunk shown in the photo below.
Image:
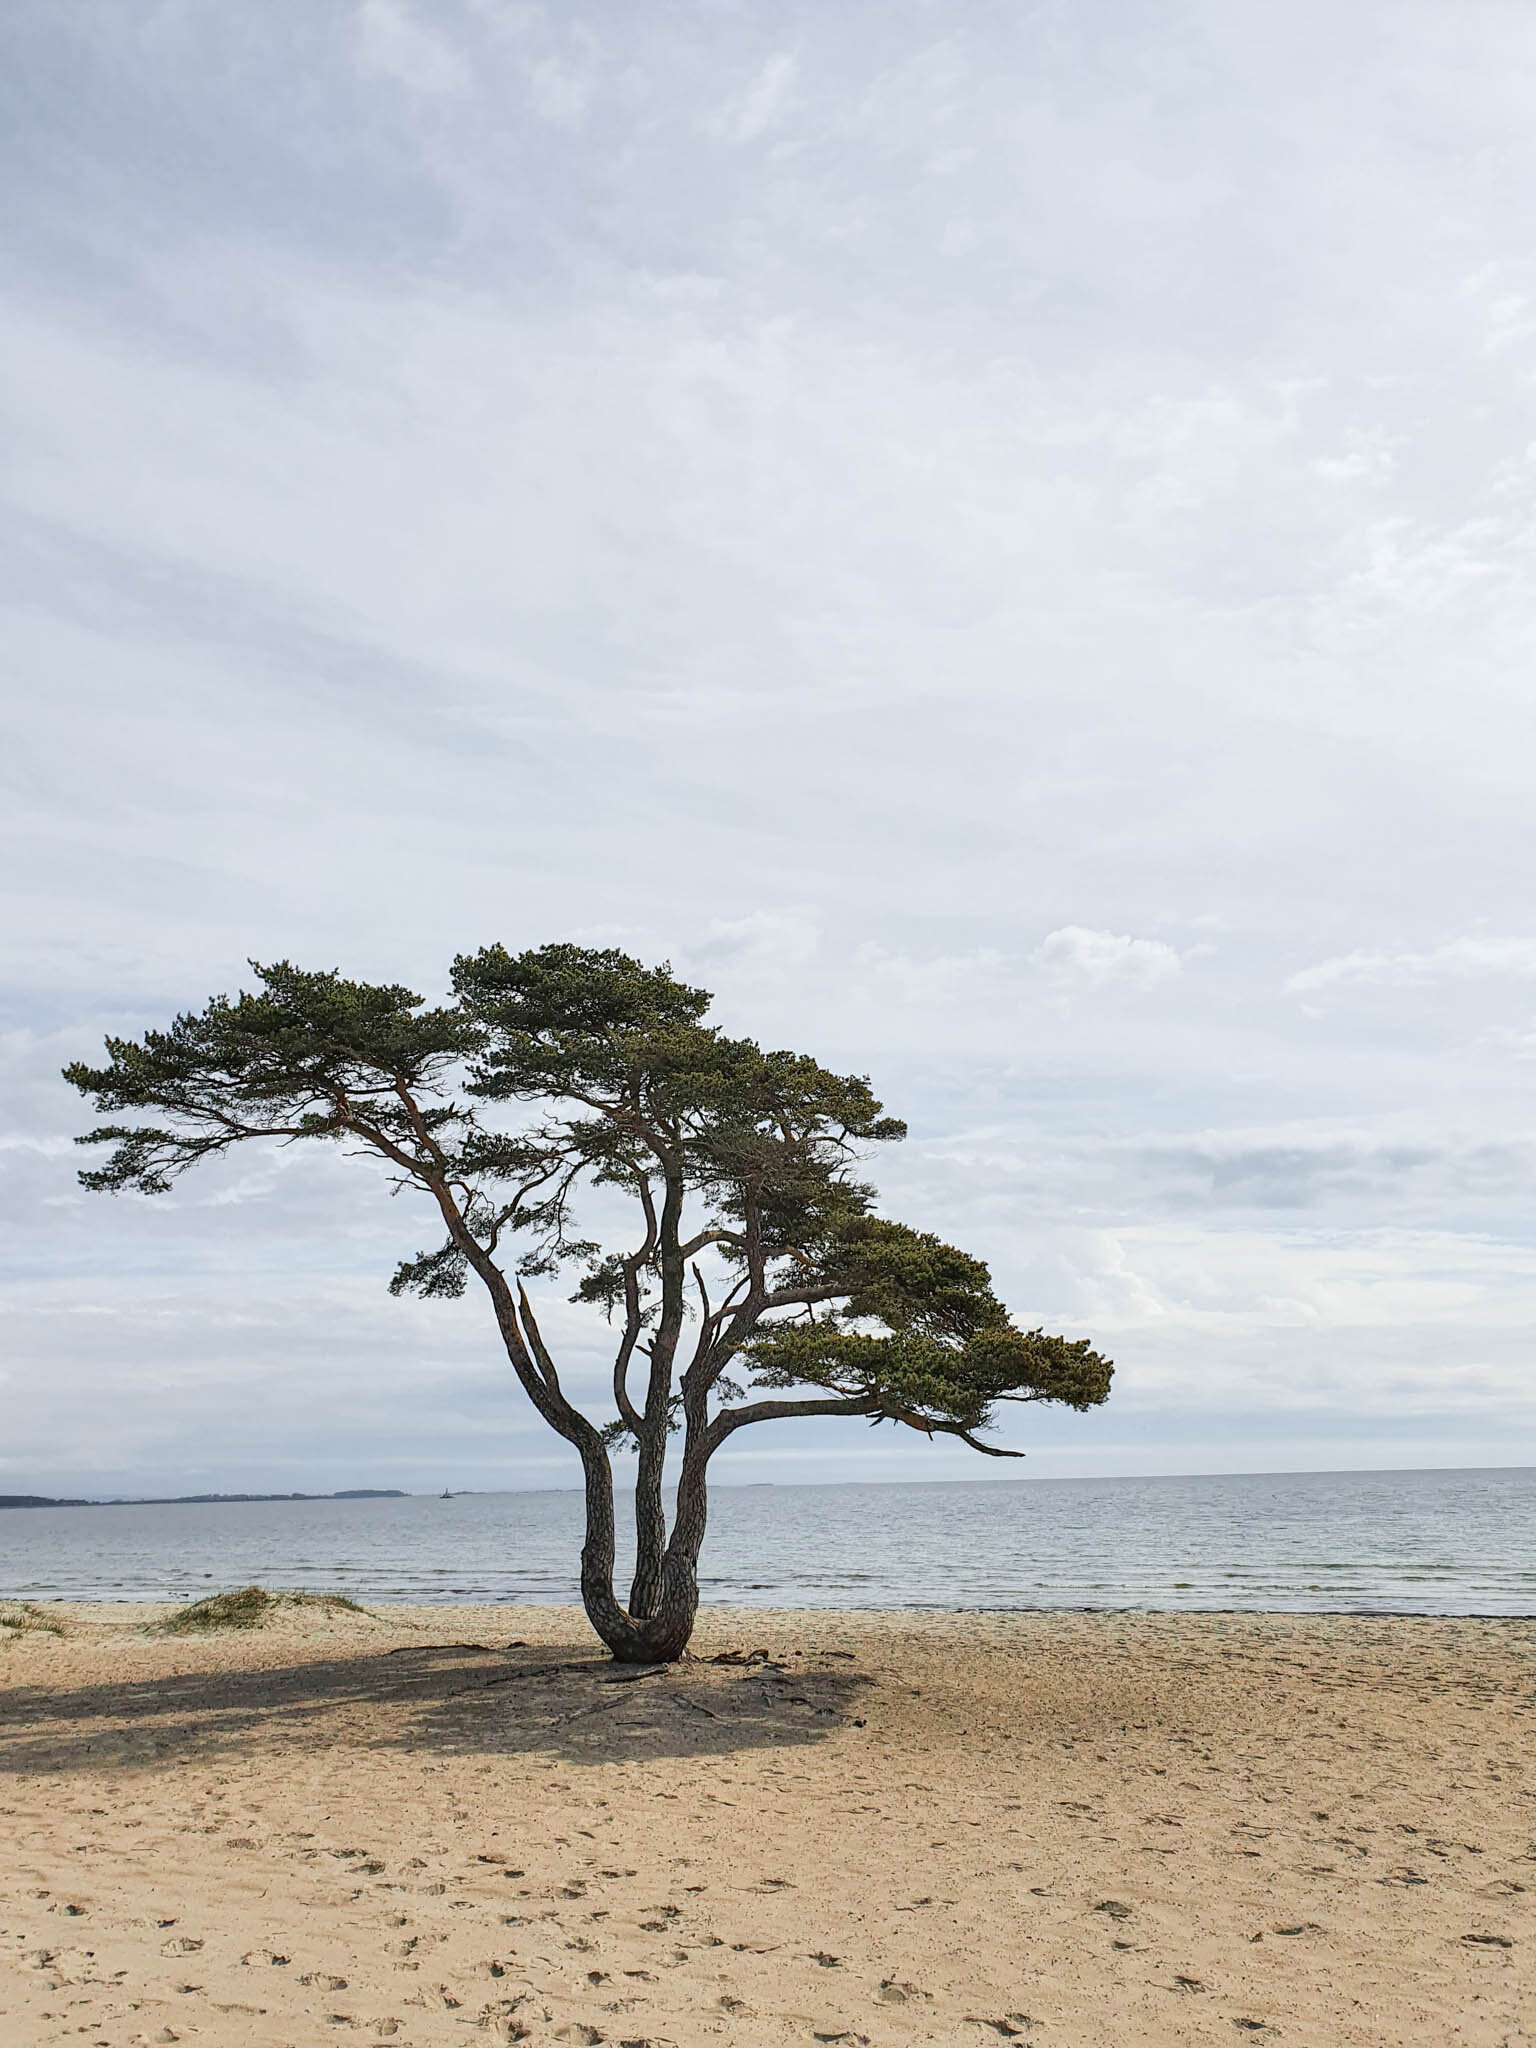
(646, 1591)
(650, 1527)
(661, 1635)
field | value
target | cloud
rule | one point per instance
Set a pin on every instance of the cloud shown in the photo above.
(1457, 960)
(763, 942)
(1354, 1173)
(560, 90)
(809, 499)
(1093, 959)
(745, 118)
(392, 42)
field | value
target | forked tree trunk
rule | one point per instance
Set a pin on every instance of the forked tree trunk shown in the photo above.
(661, 1635)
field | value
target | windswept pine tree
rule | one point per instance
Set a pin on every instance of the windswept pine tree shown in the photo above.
(758, 1284)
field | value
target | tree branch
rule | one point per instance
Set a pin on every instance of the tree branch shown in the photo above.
(628, 1412)
(705, 1238)
(796, 1297)
(535, 1338)
(976, 1444)
(729, 1420)
(930, 1426)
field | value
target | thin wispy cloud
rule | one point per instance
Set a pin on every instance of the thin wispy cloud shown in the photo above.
(1457, 959)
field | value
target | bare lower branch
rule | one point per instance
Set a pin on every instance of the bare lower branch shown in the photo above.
(988, 1450)
(729, 1420)
(928, 1427)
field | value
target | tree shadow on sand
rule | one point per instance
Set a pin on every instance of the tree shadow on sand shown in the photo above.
(447, 1698)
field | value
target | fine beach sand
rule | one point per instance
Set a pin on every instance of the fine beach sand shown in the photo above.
(1096, 1831)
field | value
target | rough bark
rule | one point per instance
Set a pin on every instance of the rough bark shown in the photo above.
(650, 1527)
(659, 1638)
(661, 1635)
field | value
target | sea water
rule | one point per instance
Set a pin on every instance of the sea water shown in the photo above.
(1454, 1542)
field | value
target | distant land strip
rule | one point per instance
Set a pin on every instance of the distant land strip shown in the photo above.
(201, 1500)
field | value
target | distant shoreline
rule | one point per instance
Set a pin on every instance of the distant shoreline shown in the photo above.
(200, 1500)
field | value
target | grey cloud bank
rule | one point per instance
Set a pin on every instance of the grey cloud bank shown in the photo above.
(1001, 543)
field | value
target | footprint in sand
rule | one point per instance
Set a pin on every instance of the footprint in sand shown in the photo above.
(891, 1993)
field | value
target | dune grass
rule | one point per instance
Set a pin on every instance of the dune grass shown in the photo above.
(21, 1617)
(249, 1607)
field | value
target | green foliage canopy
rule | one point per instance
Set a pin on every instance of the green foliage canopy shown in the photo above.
(566, 1067)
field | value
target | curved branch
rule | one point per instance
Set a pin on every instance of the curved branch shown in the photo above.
(703, 1239)
(546, 1396)
(535, 1338)
(929, 1427)
(729, 1420)
(628, 1412)
(932, 1426)
(987, 1450)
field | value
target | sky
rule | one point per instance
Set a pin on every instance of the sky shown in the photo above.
(999, 539)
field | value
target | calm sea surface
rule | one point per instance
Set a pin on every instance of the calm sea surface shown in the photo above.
(1421, 1542)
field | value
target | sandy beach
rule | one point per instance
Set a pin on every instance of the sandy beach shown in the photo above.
(1091, 1830)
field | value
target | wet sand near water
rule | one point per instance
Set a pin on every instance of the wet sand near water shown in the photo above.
(1097, 1831)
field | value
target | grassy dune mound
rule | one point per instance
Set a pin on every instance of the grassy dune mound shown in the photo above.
(250, 1607)
(20, 1617)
